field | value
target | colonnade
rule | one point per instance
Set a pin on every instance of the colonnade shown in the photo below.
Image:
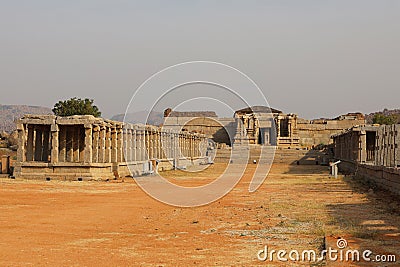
(85, 139)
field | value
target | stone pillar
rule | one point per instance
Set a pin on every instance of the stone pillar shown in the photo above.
(21, 152)
(146, 144)
(171, 153)
(29, 146)
(5, 164)
(54, 143)
(114, 144)
(198, 142)
(189, 145)
(138, 152)
(162, 144)
(151, 144)
(134, 144)
(194, 146)
(183, 145)
(165, 145)
(96, 141)
(108, 145)
(180, 145)
(157, 144)
(157, 136)
(397, 145)
(120, 143)
(141, 144)
(63, 145)
(278, 126)
(187, 138)
(363, 147)
(154, 143)
(127, 134)
(168, 149)
(102, 145)
(88, 144)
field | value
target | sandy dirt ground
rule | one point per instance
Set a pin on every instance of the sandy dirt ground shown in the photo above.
(116, 224)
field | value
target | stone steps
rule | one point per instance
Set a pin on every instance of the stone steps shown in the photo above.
(288, 156)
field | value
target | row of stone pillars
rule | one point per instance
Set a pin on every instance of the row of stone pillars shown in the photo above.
(104, 143)
(142, 143)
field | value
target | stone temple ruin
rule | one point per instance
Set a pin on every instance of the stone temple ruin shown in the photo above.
(372, 153)
(263, 126)
(85, 147)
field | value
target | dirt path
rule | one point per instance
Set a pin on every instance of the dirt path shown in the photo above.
(116, 224)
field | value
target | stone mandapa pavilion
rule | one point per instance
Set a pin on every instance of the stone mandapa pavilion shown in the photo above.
(85, 147)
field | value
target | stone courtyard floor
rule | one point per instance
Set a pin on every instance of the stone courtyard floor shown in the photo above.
(116, 224)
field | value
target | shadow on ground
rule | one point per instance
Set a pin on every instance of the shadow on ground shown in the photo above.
(373, 223)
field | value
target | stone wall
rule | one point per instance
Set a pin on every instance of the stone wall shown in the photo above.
(387, 178)
(370, 153)
(217, 129)
(315, 132)
(93, 148)
(387, 152)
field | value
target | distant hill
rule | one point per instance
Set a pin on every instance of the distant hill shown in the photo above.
(10, 113)
(386, 112)
(155, 117)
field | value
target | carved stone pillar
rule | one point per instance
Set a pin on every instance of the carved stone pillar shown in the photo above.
(96, 141)
(134, 143)
(138, 152)
(102, 144)
(127, 143)
(114, 144)
(144, 144)
(63, 145)
(119, 144)
(54, 143)
(88, 144)
(108, 145)
(151, 144)
(21, 152)
(363, 147)
(30, 140)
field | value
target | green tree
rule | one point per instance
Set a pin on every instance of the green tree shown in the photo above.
(76, 106)
(383, 119)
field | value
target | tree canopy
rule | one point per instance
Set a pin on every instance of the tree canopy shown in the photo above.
(384, 119)
(76, 106)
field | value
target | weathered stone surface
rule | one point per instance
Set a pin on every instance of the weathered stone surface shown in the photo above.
(89, 147)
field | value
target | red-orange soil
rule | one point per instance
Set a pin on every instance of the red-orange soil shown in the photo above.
(116, 224)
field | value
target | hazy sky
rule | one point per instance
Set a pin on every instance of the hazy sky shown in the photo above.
(314, 58)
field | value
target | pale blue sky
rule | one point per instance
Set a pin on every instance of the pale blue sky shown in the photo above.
(314, 58)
